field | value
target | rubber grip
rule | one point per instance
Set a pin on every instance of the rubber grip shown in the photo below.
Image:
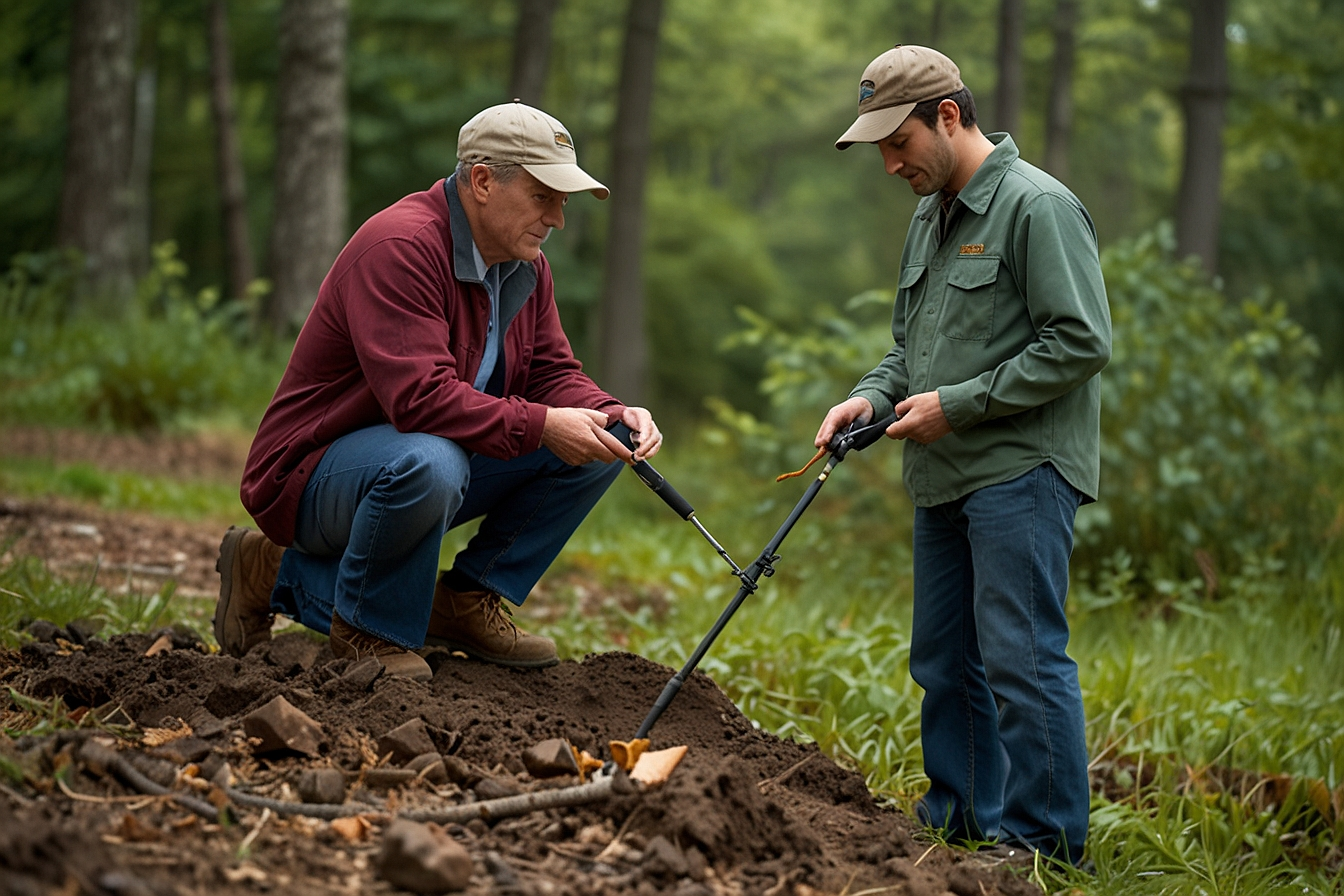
(660, 486)
(870, 434)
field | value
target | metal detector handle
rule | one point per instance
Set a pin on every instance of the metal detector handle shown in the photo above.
(860, 437)
(663, 489)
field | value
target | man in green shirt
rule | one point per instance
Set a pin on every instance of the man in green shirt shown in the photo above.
(1000, 329)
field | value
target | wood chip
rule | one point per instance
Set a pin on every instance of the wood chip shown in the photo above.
(355, 828)
(654, 768)
(164, 644)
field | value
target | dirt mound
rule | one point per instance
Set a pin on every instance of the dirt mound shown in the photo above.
(744, 813)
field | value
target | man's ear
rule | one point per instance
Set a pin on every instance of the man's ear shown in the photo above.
(949, 116)
(481, 180)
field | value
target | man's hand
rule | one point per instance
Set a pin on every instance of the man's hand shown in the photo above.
(570, 434)
(840, 416)
(921, 419)
(644, 431)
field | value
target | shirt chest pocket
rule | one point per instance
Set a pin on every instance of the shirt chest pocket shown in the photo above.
(968, 304)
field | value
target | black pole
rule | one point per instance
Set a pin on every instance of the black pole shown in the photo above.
(854, 439)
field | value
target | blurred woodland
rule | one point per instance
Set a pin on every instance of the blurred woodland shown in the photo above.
(231, 146)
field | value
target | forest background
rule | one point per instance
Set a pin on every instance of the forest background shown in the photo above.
(176, 176)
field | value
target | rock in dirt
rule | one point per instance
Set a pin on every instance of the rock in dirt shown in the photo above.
(387, 778)
(407, 741)
(662, 859)
(550, 759)
(430, 767)
(322, 785)
(423, 859)
(496, 788)
(281, 726)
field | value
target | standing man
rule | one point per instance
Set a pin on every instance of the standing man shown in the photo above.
(431, 384)
(1000, 329)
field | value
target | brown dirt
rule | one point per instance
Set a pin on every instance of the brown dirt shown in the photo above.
(745, 813)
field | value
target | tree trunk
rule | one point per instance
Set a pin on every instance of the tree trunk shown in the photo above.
(310, 189)
(624, 352)
(138, 178)
(1059, 111)
(228, 157)
(1008, 92)
(95, 215)
(1204, 97)
(531, 49)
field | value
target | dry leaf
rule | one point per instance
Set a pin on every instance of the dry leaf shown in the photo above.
(157, 737)
(164, 644)
(355, 828)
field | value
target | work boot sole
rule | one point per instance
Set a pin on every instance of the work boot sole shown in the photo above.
(477, 654)
(229, 634)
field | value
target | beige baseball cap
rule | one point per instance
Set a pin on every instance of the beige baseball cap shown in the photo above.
(519, 134)
(893, 84)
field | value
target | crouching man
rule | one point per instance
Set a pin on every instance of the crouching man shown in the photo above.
(431, 384)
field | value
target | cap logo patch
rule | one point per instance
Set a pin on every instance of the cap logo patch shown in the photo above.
(866, 90)
(562, 139)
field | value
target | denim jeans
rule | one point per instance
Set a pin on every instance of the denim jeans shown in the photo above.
(1002, 719)
(373, 515)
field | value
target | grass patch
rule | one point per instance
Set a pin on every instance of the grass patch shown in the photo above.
(113, 490)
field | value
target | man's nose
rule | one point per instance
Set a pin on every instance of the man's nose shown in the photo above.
(892, 163)
(554, 216)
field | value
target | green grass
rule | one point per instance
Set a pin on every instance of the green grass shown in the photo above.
(1194, 706)
(163, 495)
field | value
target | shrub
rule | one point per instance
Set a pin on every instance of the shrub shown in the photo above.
(1219, 457)
(171, 357)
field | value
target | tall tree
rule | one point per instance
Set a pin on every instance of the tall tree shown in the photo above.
(310, 189)
(531, 49)
(228, 157)
(1204, 98)
(1059, 108)
(624, 349)
(1008, 92)
(95, 215)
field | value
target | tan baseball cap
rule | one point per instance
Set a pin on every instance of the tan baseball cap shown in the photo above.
(519, 134)
(893, 84)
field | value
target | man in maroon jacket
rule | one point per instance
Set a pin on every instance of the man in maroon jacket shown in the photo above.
(431, 384)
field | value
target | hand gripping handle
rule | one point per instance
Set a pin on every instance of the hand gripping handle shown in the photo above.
(857, 438)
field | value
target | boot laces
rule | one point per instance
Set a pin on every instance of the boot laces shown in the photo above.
(498, 617)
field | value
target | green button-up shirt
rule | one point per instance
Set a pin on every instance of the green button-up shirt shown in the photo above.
(1006, 317)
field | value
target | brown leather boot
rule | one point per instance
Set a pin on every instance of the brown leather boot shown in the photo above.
(248, 564)
(476, 623)
(348, 641)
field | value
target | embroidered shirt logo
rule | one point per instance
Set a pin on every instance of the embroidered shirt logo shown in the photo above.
(973, 249)
(562, 139)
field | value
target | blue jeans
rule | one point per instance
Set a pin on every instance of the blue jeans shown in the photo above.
(1002, 720)
(373, 515)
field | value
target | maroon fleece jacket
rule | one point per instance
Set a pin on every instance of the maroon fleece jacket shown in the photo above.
(396, 337)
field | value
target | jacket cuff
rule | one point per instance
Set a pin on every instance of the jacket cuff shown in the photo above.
(959, 406)
(882, 405)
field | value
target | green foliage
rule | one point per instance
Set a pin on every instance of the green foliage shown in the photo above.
(173, 358)
(1220, 458)
(1219, 453)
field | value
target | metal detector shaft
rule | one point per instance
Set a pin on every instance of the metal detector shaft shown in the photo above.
(671, 497)
(855, 438)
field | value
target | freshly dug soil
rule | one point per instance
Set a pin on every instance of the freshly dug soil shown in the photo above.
(745, 812)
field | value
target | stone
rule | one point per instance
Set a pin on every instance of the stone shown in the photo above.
(322, 785)
(280, 726)
(363, 673)
(460, 772)
(496, 788)
(430, 767)
(663, 859)
(387, 778)
(423, 859)
(45, 632)
(407, 741)
(550, 759)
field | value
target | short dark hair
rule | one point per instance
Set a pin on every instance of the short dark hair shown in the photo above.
(927, 111)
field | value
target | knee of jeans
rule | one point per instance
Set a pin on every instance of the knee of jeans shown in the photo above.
(432, 472)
